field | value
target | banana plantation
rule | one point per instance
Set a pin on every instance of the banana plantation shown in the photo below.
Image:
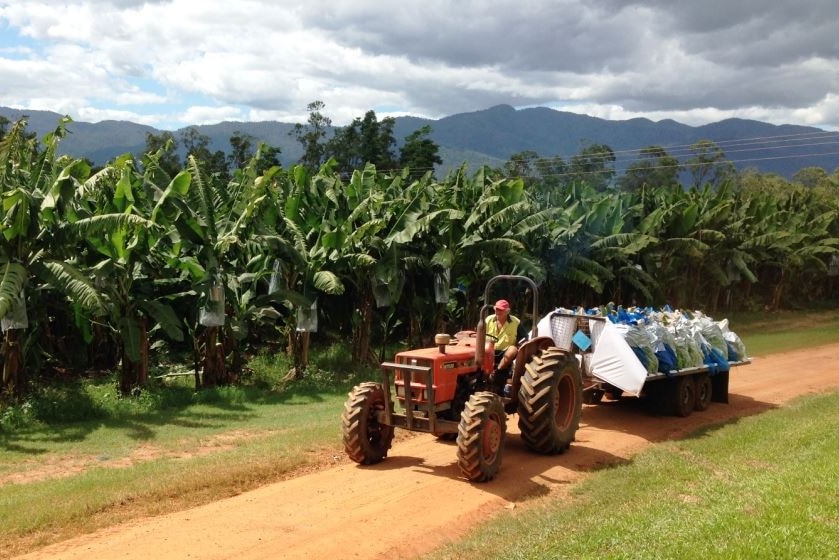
(105, 269)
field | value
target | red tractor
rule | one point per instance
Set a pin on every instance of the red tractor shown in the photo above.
(452, 390)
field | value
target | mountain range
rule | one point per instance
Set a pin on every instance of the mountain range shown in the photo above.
(492, 135)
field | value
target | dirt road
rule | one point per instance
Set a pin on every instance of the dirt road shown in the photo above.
(381, 512)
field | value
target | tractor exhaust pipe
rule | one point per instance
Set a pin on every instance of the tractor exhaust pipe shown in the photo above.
(442, 340)
(480, 338)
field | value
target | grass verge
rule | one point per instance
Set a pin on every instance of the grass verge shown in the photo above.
(732, 491)
(767, 333)
(76, 457)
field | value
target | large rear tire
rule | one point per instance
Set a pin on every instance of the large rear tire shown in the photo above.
(550, 401)
(366, 440)
(480, 437)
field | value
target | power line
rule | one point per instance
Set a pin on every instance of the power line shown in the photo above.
(622, 158)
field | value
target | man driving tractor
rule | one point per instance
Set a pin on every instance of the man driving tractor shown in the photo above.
(504, 329)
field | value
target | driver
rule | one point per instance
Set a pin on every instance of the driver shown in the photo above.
(504, 328)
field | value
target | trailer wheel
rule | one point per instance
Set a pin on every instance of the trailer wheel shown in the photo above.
(683, 395)
(366, 440)
(704, 390)
(550, 401)
(480, 437)
(593, 396)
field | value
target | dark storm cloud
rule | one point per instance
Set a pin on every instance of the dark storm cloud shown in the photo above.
(659, 54)
(523, 36)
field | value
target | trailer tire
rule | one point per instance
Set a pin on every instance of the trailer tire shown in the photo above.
(704, 391)
(683, 395)
(366, 440)
(593, 396)
(480, 437)
(550, 401)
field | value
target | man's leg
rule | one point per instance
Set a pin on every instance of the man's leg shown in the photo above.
(508, 357)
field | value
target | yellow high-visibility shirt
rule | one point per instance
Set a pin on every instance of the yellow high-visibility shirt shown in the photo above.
(506, 335)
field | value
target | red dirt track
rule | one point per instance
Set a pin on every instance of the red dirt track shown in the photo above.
(377, 512)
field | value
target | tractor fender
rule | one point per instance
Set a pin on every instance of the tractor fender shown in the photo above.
(526, 351)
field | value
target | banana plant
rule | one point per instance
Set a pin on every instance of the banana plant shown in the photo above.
(224, 233)
(483, 224)
(790, 237)
(37, 189)
(126, 217)
(353, 241)
(298, 241)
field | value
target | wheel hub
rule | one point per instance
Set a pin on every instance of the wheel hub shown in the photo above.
(491, 438)
(563, 409)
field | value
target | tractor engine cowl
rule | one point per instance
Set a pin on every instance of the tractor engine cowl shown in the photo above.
(445, 363)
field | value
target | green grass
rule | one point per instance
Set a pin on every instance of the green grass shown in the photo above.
(761, 487)
(92, 459)
(766, 333)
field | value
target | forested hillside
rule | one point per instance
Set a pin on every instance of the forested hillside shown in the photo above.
(491, 137)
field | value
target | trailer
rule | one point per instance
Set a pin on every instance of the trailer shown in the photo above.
(676, 391)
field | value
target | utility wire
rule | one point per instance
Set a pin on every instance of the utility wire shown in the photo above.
(624, 158)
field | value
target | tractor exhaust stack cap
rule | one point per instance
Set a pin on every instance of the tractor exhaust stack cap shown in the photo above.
(442, 340)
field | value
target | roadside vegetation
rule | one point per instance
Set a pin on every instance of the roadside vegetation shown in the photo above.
(730, 491)
(77, 456)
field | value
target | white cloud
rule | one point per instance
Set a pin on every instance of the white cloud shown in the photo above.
(268, 59)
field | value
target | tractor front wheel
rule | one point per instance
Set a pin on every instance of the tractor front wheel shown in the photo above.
(366, 440)
(550, 401)
(480, 436)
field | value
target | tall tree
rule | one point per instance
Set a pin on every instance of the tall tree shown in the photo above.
(812, 177)
(313, 136)
(420, 153)
(213, 164)
(552, 173)
(521, 165)
(241, 149)
(166, 145)
(709, 166)
(593, 165)
(364, 141)
(655, 168)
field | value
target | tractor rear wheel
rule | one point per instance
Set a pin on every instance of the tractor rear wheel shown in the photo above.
(550, 401)
(480, 436)
(366, 440)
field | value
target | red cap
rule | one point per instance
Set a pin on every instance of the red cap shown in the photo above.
(502, 304)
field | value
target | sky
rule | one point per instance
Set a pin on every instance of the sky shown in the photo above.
(175, 63)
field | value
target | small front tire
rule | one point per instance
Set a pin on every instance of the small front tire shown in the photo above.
(366, 440)
(480, 437)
